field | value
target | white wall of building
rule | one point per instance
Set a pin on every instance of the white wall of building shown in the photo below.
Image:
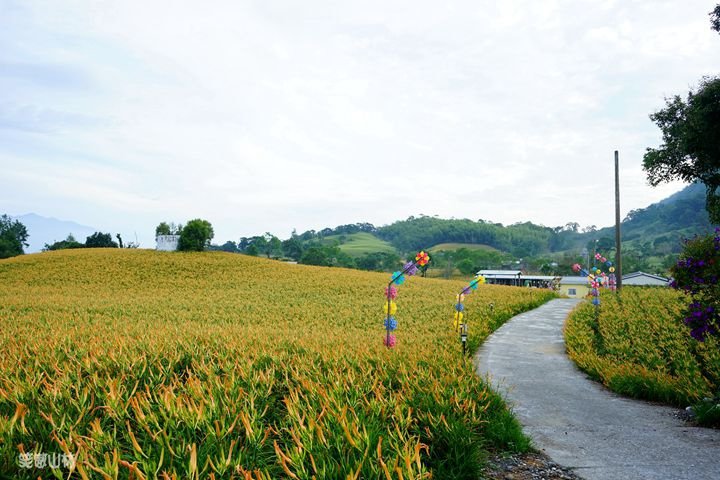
(167, 243)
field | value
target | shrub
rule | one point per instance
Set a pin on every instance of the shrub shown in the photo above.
(697, 273)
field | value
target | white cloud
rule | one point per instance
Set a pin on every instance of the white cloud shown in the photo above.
(273, 115)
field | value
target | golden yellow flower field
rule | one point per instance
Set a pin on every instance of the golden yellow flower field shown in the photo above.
(641, 348)
(147, 364)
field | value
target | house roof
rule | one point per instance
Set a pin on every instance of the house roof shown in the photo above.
(574, 281)
(643, 274)
(494, 273)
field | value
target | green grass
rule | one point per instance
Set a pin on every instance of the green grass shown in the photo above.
(359, 244)
(447, 247)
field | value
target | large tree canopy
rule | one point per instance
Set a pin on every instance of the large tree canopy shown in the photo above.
(100, 240)
(691, 142)
(196, 235)
(13, 237)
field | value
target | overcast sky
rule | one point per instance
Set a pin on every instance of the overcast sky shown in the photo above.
(269, 115)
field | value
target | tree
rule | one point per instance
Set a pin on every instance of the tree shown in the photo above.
(466, 266)
(292, 248)
(715, 19)
(69, 242)
(168, 229)
(605, 244)
(572, 227)
(196, 236)
(274, 245)
(13, 237)
(100, 240)
(691, 148)
(229, 246)
(260, 245)
(163, 229)
(315, 256)
(244, 243)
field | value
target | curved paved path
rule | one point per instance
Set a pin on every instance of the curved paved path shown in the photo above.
(579, 423)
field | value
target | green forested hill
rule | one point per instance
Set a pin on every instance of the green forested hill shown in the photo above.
(423, 232)
(679, 216)
(665, 223)
(651, 239)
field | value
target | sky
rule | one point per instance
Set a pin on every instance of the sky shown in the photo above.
(272, 116)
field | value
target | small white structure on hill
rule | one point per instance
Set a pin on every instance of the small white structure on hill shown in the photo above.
(645, 279)
(167, 243)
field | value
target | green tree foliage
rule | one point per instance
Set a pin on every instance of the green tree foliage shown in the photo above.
(168, 229)
(274, 245)
(378, 261)
(163, 229)
(466, 266)
(691, 142)
(13, 237)
(196, 236)
(316, 255)
(327, 256)
(229, 246)
(292, 248)
(260, 245)
(521, 239)
(100, 240)
(69, 242)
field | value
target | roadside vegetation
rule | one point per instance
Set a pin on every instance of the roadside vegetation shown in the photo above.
(640, 347)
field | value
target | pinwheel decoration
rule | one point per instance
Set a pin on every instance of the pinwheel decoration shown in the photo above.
(460, 315)
(391, 292)
(597, 279)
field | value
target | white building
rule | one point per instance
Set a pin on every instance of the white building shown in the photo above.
(516, 278)
(167, 243)
(644, 279)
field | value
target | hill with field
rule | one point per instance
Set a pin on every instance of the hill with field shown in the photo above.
(192, 365)
(448, 247)
(360, 243)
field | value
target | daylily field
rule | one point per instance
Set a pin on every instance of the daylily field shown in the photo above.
(639, 346)
(142, 364)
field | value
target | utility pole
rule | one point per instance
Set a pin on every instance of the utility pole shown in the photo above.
(618, 245)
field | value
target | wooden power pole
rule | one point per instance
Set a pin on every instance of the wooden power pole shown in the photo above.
(618, 245)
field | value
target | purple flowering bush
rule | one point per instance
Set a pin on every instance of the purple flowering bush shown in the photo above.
(697, 273)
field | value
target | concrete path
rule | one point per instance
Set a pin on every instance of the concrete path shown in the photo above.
(578, 422)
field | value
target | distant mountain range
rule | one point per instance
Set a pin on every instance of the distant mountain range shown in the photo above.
(44, 230)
